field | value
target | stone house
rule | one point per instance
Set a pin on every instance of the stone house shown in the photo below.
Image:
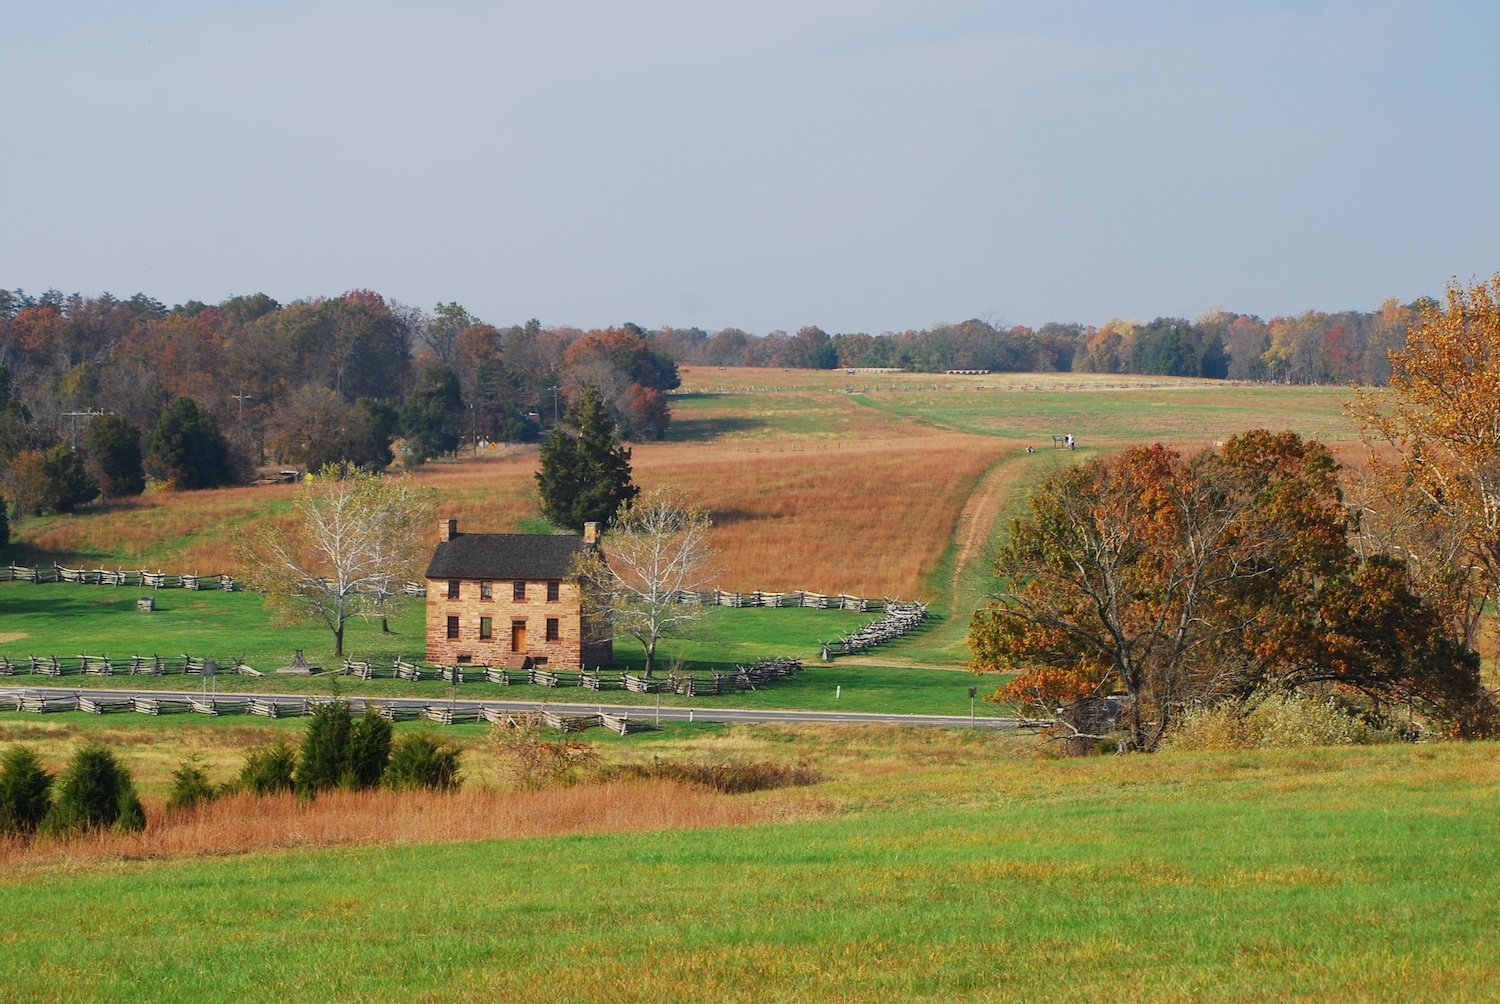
(511, 599)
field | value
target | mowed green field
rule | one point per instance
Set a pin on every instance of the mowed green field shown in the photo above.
(69, 620)
(1097, 409)
(933, 868)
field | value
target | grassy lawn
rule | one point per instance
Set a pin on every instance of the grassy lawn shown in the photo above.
(67, 620)
(64, 619)
(1174, 413)
(939, 868)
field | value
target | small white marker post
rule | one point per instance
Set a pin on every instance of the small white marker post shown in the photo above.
(838, 692)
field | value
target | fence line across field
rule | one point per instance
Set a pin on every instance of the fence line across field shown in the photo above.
(298, 707)
(729, 681)
(119, 577)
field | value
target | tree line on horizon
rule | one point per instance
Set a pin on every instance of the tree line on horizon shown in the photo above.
(98, 393)
(1312, 348)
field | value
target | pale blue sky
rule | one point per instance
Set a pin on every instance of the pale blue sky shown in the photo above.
(858, 165)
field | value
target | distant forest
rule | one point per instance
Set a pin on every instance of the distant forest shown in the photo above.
(251, 381)
(1312, 348)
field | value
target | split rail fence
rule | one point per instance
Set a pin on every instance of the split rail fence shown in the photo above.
(117, 577)
(741, 678)
(297, 707)
(193, 580)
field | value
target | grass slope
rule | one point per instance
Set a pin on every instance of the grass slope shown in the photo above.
(1337, 874)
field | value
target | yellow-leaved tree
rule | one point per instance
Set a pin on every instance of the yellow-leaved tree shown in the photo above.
(1434, 493)
(354, 539)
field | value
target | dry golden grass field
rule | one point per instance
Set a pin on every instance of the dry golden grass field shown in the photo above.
(826, 481)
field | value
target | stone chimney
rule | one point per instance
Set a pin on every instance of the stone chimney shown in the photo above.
(591, 533)
(447, 529)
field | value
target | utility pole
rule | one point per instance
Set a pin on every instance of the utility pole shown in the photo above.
(554, 391)
(242, 398)
(73, 425)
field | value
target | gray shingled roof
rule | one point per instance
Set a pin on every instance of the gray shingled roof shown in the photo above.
(506, 556)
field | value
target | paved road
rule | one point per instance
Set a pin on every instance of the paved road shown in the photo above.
(8, 695)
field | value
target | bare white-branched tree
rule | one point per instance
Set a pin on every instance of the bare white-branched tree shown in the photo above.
(656, 549)
(353, 540)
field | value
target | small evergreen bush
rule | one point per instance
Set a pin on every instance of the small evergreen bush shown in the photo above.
(421, 760)
(369, 751)
(190, 786)
(325, 748)
(25, 791)
(95, 792)
(269, 771)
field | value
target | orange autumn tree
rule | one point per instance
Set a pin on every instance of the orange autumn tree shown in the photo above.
(1434, 488)
(1171, 580)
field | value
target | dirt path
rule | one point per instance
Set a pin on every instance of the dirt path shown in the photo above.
(976, 523)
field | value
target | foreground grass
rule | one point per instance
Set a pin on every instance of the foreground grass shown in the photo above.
(1338, 874)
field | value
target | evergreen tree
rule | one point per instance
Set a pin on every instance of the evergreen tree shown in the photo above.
(369, 751)
(381, 421)
(95, 793)
(430, 416)
(190, 786)
(325, 748)
(114, 451)
(187, 448)
(13, 419)
(420, 760)
(68, 483)
(585, 477)
(341, 752)
(558, 479)
(269, 771)
(4, 523)
(25, 791)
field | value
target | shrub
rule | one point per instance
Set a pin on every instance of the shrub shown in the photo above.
(421, 760)
(25, 791)
(325, 748)
(729, 778)
(189, 786)
(339, 752)
(369, 751)
(1274, 721)
(54, 481)
(95, 792)
(269, 771)
(1211, 727)
(532, 762)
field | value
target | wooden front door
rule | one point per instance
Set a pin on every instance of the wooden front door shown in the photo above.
(518, 636)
